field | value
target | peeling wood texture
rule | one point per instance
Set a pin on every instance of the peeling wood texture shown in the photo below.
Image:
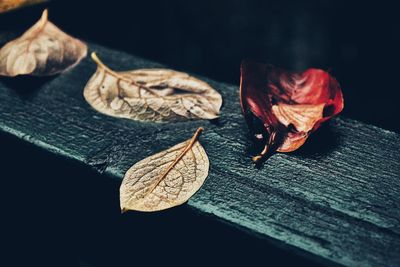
(337, 198)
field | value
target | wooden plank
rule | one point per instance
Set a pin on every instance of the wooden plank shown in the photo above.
(338, 198)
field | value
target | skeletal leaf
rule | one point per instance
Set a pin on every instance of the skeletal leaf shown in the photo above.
(42, 50)
(157, 95)
(166, 179)
(7, 5)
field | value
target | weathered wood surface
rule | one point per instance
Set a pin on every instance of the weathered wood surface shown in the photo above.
(338, 198)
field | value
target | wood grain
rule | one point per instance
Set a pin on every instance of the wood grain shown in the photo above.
(337, 198)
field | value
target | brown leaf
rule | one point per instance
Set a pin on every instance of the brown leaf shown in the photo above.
(166, 179)
(7, 5)
(151, 95)
(42, 50)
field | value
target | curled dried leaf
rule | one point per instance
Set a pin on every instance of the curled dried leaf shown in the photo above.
(42, 50)
(282, 108)
(151, 95)
(166, 179)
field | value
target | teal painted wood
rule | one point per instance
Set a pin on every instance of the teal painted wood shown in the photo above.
(337, 198)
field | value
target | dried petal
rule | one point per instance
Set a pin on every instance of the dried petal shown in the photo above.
(282, 109)
(151, 95)
(166, 179)
(42, 50)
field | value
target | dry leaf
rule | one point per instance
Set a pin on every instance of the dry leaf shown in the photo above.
(283, 108)
(6, 5)
(166, 179)
(151, 95)
(42, 50)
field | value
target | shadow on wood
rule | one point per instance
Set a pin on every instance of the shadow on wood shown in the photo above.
(26, 86)
(320, 143)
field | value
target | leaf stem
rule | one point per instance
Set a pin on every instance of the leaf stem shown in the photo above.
(187, 148)
(119, 76)
(184, 151)
(266, 150)
(261, 155)
(103, 66)
(195, 137)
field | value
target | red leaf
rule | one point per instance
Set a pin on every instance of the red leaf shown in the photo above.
(283, 108)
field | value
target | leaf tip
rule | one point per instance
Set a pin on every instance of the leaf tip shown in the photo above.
(43, 19)
(268, 150)
(45, 15)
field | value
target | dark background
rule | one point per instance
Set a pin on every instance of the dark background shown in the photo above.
(48, 224)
